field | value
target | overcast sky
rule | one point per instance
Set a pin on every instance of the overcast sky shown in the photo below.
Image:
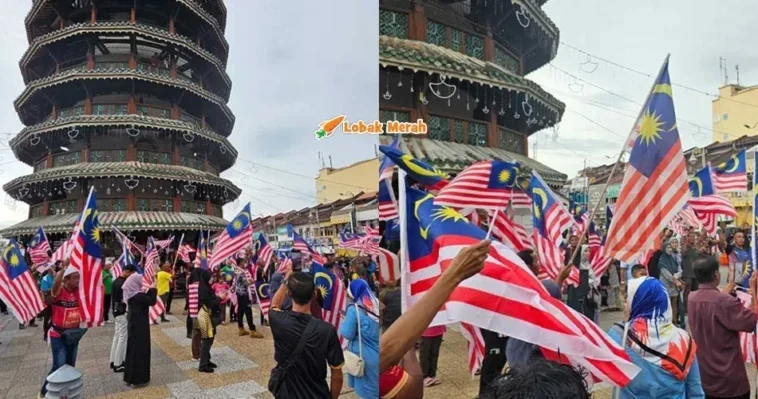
(293, 64)
(296, 63)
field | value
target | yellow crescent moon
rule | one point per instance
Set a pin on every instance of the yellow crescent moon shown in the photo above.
(419, 170)
(326, 276)
(735, 166)
(699, 184)
(260, 289)
(542, 194)
(7, 249)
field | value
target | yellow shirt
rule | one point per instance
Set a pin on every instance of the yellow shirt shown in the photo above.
(164, 282)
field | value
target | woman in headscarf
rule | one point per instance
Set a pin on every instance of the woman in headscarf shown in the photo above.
(361, 328)
(670, 271)
(665, 353)
(207, 318)
(592, 298)
(138, 303)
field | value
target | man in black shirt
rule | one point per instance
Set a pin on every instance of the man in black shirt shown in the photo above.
(118, 347)
(306, 378)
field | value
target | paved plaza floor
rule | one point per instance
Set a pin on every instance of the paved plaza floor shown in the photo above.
(244, 363)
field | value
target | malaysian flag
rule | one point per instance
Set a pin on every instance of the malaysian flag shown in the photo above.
(363, 243)
(425, 174)
(654, 188)
(549, 220)
(389, 265)
(86, 259)
(201, 257)
(706, 204)
(386, 201)
(263, 293)
(184, 252)
(475, 342)
(18, 289)
(732, 174)
(508, 231)
(333, 293)
(594, 240)
(237, 234)
(299, 244)
(39, 247)
(156, 310)
(387, 167)
(371, 231)
(505, 297)
(520, 197)
(163, 244)
(263, 251)
(483, 185)
(747, 340)
(151, 263)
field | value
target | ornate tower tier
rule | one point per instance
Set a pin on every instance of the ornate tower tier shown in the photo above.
(129, 97)
(460, 66)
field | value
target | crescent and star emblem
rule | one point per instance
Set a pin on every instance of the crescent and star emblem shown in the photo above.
(261, 292)
(543, 197)
(735, 165)
(699, 185)
(420, 170)
(424, 231)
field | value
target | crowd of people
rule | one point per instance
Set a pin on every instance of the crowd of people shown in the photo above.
(678, 326)
(304, 343)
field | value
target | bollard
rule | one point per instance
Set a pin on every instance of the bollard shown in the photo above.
(65, 383)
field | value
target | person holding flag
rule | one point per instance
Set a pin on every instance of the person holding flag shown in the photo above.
(65, 331)
(138, 303)
(118, 346)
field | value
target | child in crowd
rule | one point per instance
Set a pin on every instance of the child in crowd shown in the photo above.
(221, 288)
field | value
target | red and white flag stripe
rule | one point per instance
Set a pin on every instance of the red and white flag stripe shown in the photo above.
(724, 183)
(475, 341)
(508, 231)
(21, 295)
(389, 265)
(507, 298)
(156, 310)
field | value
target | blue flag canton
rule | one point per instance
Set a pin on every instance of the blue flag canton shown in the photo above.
(384, 192)
(657, 132)
(14, 260)
(387, 161)
(502, 175)
(202, 251)
(240, 223)
(325, 282)
(702, 183)
(427, 221)
(416, 169)
(89, 229)
(542, 201)
(263, 289)
(737, 164)
(37, 239)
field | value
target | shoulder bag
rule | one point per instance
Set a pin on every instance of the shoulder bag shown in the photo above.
(354, 363)
(279, 373)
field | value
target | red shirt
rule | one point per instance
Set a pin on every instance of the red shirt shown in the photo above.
(391, 382)
(716, 320)
(65, 311)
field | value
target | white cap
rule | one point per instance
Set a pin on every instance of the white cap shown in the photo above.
(70, 270)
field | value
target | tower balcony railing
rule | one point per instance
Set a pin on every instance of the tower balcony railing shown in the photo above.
(159, 33)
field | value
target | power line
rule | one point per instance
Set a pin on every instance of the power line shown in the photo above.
(307, 177)
(651, 76)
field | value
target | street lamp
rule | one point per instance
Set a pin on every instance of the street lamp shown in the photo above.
(750, 127)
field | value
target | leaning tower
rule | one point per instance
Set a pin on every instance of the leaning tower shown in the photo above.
(129, 97)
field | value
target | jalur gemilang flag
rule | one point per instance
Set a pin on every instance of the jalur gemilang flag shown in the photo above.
(237, 235)
(86, 259)
(706, 204)
(39, 248)
(484, 185)
(18, 289)
(732, 174)
(505, 297)
(654, 188)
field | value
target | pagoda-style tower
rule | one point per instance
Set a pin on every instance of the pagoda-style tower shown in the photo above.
(460, 65)
(129, 97)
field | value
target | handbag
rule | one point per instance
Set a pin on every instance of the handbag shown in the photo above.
(354, 363)
(279, 373)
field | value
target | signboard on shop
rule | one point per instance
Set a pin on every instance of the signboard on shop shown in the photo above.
(596, 194)
(579, 183)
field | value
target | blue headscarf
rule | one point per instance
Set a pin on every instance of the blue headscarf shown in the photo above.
(362, 296)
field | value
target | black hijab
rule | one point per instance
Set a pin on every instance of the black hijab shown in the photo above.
(204, 291)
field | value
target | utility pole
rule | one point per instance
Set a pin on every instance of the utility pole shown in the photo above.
(723, 69)
(737, 69)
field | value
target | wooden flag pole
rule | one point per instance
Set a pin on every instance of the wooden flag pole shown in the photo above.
(176, 255)
(618, 161)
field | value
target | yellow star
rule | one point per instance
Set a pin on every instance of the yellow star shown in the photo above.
(322, 289)
(505, 176)
(446, 213)
(649, 127)
(14, 261)
(237, 224)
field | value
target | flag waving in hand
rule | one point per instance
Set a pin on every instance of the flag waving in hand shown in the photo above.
(39, 248)
(17, 286)
(732, 174)
(86, 259)
(483, 185)
(549, 219)
(429, 176)
(706, 204)
(237, 235)
(654, 188)
(505, 296)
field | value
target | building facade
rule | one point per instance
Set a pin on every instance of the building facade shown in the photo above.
(128, 97)
(461, 66)
(333, 184)
(734, 112)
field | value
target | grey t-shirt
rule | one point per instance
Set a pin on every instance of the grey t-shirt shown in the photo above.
(276, 281)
